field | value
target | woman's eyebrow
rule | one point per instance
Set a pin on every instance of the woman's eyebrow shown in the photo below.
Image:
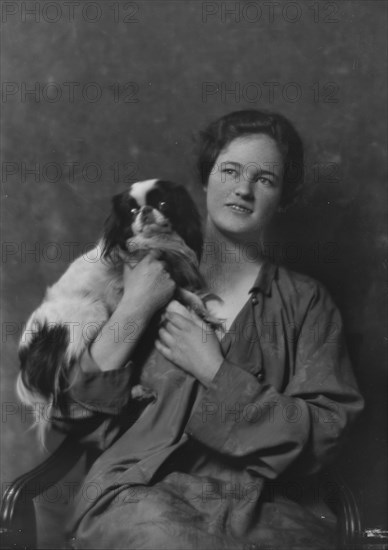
(261, 172)
(237, 164)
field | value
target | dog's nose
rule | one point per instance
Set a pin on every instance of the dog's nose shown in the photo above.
(146, 214)
(146, 210)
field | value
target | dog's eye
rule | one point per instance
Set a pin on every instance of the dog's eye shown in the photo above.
(134, 211)
(163, 206)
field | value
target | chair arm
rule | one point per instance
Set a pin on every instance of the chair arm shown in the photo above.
(341, 499)
(18, 521)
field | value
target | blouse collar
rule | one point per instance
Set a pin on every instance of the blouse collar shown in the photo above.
(266, 275)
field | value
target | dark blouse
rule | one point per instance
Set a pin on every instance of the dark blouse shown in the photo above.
(280, 404)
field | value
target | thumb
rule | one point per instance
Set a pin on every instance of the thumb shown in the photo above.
(154, 254)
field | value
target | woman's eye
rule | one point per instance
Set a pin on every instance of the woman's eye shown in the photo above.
(264, 180)
(163, 206)
(229, 171)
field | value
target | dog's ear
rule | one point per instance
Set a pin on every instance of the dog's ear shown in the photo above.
(188, 224)
(115, 225)
(119, 202)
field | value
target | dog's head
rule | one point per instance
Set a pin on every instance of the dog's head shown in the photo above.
(151, 207)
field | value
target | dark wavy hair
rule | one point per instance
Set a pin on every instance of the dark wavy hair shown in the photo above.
(222, 131)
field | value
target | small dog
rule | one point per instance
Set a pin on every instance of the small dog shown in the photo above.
(152, 215)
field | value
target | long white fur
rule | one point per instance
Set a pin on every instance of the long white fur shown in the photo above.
(83, 298)
(89, 291)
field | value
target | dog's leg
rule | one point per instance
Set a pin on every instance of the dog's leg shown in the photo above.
(196, 303)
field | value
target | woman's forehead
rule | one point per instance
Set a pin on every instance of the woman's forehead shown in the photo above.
(260, 150)
(252, 144)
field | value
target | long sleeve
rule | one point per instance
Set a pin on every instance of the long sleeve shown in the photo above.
(299, 422)
(96, 408)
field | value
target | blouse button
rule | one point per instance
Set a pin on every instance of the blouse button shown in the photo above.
(255, 301)
(260, 376)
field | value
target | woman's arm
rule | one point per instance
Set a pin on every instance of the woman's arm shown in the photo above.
(243, 417)
(100, 382)
(186, 340)
(147, 288)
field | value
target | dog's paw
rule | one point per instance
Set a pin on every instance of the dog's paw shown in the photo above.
(196, 302)
(215, 322)
(141, 393)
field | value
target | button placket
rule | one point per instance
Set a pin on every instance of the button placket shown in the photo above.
(254, 300)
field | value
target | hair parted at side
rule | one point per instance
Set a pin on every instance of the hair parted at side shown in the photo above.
(224, 130)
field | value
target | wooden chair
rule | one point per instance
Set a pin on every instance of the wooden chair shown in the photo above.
(19, 519)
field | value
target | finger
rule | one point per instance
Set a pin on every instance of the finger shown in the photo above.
(163, 319)
(148, 258)
(164, 280)
(198, 321)
(154, 254)
(175, 321)
(185, 321)
(176, 307)
(166, 337)
(164, 350)
(123, 255)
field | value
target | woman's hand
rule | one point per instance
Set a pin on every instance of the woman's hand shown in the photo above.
(147, 288)
(148, 285)
(189, 342)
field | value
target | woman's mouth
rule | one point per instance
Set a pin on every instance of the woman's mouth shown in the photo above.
(240, 209)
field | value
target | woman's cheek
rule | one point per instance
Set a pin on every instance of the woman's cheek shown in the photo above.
(270, 200)
(215, 200)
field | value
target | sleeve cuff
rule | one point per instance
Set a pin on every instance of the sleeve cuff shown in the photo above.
(224, 402)
(106, 392)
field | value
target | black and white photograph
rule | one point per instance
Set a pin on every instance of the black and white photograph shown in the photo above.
(194, 275)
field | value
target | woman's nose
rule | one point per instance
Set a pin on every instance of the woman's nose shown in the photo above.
(244, 187)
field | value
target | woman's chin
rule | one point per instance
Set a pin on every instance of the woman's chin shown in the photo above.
(238, 233)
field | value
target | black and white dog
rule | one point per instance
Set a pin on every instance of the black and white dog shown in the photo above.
(151, 215)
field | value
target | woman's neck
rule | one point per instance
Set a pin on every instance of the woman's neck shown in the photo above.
(228, 261)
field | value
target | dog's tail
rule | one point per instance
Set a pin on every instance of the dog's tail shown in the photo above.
(43, 373)
(44, 365)
(41, 408)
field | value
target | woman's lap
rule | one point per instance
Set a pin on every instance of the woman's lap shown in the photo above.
(172, 514)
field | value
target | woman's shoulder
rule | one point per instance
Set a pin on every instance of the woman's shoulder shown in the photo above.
(296, 279)
(301, 288)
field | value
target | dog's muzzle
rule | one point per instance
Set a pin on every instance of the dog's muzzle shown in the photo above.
(150, 220)
(147, 215)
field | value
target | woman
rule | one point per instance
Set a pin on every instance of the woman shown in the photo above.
(264, 402)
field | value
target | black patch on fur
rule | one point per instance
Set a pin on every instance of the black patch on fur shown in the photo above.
(43, 357)
(117, 227)
(181, 210)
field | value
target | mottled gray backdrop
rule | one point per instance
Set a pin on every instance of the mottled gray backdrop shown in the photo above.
(98, 94)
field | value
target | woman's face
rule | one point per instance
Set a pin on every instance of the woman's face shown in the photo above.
(245, 187)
